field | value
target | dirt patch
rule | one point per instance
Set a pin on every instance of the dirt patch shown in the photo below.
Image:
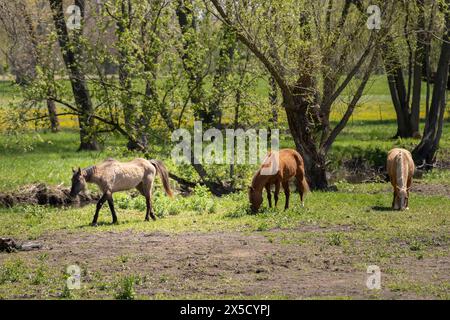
(431, 189)
(226, 264)
(44, 195)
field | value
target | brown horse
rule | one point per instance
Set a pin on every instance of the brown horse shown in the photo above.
(400, 167)
(113, 176)
(277, 168)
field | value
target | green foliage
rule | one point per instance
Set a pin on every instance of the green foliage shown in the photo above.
(335, 239)
(125, 288)
(40, 275)
(12, 271)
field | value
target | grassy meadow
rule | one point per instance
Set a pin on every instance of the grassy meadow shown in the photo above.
(350, 228)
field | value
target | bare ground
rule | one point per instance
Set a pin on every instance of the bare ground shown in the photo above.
(234, 264)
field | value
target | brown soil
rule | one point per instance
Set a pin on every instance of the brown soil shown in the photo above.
(431, 189)
(230, 264)
(43, 195)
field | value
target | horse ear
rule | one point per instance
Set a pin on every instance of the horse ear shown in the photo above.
(79, 170)
(73, 170)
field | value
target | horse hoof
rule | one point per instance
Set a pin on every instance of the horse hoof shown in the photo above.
(407, 208)
(94, 224)
(115, 222)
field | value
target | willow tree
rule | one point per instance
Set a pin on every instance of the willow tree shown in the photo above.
(71, 49)
(425, 151)
(301, 43)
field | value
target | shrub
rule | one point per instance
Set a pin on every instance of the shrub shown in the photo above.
(125, 289)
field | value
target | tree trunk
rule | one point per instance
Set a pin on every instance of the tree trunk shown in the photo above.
(273, 99)
(193, 68)
(71, 52)
(425, 152)
(397, 89)
(417, 72)
(54, 121)
(299, 127)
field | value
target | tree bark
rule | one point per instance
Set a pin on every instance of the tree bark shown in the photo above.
(417, 72)
(52, 114)
(425, 151)
(71, 52)
(397, 89)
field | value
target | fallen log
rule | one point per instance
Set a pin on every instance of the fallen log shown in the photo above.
(9, 245)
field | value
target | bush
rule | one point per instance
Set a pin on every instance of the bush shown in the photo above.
(201, 201)
(125, 289)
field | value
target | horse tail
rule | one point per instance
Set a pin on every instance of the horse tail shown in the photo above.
(164, 174)
(304, 184)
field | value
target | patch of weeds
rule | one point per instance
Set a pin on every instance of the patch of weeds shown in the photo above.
(103, 286)
(167, 206)
(163, 278)
(201, 201)
(40, 276)
(43, 257)
(415, 246)
(335, 239)
(12, 271)
(124, 258)
(239, 211)
(263, 226)
(125, 288)
(123, 201)
(34, 214)
(66, 293)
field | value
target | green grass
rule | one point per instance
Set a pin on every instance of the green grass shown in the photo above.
(366, 207)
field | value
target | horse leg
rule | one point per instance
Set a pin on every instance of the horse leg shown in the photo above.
(277, 192)
(287, 193)
(100, 203)
(396, 204)
(393, 201)
(111, 207)
(148, 202)
(408, 185)
(269, 196)
(147, 191)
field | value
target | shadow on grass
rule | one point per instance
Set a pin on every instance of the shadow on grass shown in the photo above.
(380, 208)
(99, 224)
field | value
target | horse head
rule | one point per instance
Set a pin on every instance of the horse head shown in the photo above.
(255, 198)
(78, 182)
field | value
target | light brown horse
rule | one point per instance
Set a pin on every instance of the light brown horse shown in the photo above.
(277, 168)
(400, 168)
(113, 176)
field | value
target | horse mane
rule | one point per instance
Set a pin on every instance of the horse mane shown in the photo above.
(89, 171)
(399, 169)
(258, 179)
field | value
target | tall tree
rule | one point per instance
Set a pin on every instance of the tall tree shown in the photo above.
(282, 37)
(406, 91)
(425, 152)
(24, 51)
(70, 46)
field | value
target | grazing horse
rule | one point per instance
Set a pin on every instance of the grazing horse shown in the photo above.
(277, 168)
(400, 167)
(113, 176)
